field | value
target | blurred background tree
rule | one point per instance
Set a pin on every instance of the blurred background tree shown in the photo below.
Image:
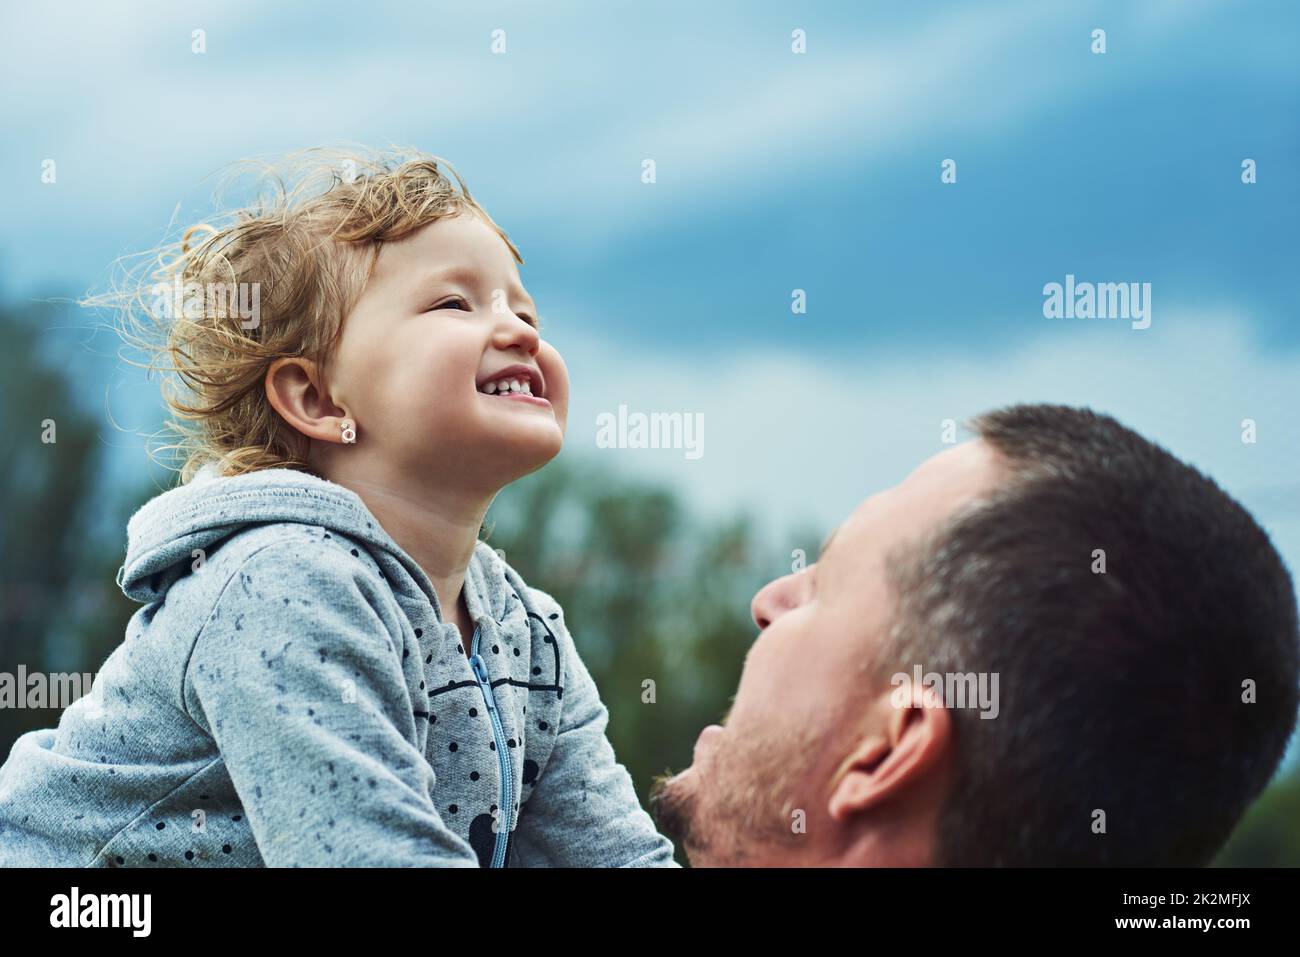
(1269, 834)
(658, 602)
(63, 532)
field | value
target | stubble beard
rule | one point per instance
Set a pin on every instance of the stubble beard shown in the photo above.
(740, 809)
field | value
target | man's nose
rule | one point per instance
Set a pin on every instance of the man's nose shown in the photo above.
(776, 598)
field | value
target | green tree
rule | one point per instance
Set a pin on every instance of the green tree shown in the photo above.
(657, 600)
(61, 609)
(1269, 834)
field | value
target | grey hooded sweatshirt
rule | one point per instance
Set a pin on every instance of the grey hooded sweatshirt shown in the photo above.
(290, 695)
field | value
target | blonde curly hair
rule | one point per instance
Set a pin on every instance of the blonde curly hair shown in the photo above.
(299, 255)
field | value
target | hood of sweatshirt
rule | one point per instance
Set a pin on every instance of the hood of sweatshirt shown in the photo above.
(176, 528)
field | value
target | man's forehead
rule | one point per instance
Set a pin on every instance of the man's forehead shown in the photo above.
(933, 490)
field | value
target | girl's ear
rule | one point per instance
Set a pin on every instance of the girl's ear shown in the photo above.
(293, 387)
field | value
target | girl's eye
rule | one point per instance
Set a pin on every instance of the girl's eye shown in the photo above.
(460, 302)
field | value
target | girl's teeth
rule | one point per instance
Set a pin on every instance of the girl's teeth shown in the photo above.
(504, 386)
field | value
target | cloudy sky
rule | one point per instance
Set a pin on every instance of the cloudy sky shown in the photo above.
(775, 171)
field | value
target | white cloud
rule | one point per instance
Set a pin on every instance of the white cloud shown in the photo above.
(799, 439)
(756, 117)
(577, 103)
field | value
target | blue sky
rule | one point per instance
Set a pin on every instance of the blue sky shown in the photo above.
(775, 171)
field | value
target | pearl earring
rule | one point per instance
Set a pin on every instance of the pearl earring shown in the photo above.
(349, 429)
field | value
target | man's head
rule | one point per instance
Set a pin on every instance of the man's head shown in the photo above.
(1135, 624)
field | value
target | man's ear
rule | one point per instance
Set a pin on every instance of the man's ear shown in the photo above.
(293, 386)
(908, 749)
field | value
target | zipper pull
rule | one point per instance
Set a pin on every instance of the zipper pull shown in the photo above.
(484, 681)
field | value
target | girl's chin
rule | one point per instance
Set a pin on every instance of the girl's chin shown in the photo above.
(526, 450)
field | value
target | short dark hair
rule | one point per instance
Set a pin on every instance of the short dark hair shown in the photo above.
(1121, 691)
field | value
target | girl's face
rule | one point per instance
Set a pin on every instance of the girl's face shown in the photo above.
(428, 355)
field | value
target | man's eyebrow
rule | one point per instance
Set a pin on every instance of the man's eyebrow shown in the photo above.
(827, 544)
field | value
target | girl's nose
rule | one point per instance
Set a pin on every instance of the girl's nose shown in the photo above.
(513, 332)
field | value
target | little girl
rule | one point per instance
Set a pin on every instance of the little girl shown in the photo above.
(330, 668)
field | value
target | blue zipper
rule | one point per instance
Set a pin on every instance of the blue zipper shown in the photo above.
(477, 663)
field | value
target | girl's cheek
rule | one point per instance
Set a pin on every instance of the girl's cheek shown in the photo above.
(557, 382)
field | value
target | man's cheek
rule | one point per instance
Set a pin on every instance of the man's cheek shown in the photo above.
(765, 672)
